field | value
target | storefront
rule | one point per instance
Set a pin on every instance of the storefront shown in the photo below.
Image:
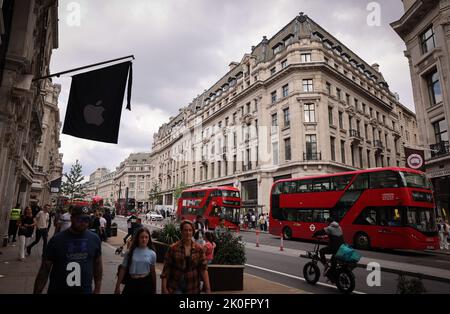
(440, 178)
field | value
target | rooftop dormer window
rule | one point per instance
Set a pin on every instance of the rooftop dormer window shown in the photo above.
(277, 48)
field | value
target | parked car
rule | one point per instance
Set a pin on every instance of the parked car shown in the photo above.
(154, 216)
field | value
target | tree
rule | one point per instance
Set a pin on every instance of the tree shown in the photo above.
(178, 191)
(155, 194)
(73, 181)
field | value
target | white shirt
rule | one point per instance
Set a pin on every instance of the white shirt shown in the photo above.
(102, 222)
(65, 221)
(42, 220)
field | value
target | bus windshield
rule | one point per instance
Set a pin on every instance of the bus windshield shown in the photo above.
(227, 193)
(421, 219)
(415, 180)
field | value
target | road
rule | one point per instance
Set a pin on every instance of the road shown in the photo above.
(285, 267)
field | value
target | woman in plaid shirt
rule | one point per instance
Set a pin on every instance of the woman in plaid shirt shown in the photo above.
(185, 265)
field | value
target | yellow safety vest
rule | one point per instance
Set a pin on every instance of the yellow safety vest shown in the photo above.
(15, 214)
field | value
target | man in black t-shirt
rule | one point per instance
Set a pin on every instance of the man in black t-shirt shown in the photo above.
(72, 259)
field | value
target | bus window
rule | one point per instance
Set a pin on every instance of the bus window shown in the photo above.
(304, 186)
(390, 216)
(360, 183)
(321, 185)
(277, 189)
(305, 215)
(289, 187)
(339, 183)
(421, 219)
(384, 179)
(415, 180)
(367, 217)
(227, 193)
(320, 215)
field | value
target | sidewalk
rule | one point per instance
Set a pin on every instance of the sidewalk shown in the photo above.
(18, 277)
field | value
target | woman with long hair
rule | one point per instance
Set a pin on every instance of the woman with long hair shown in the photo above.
(185, 265)
(138, 266)
(26, 225)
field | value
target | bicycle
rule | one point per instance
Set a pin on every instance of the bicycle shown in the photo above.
(342, 275)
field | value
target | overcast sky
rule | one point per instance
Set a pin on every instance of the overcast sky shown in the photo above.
(183, 47)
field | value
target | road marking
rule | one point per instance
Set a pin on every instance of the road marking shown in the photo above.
(296, 277)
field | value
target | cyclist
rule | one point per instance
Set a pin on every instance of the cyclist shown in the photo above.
(336, 239)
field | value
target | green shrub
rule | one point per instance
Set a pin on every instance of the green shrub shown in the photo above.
(229, 250)
(412, 286)
(169, 234)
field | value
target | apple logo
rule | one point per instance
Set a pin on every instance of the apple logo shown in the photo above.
(94, 114)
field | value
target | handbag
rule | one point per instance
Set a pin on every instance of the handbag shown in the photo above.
(348, 254)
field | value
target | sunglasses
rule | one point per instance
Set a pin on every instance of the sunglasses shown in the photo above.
(83, 219)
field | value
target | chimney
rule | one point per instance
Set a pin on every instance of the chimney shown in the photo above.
(233, 64)
(376, 67)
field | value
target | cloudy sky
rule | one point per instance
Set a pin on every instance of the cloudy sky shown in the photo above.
(182, 47)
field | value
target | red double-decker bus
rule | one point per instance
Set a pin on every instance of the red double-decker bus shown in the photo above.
(383, 207)
(212, 204)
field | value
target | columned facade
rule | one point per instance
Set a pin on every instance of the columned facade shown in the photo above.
(425, 29)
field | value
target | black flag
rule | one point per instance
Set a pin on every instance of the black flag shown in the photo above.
(415, 159)
(95, 103)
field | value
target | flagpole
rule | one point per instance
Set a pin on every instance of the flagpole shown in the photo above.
(81, 68)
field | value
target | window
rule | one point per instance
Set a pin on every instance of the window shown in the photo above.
(278, 48)
(384, 179)
(274, 123)
(360, 183)
(308, 86)
(273, 71)
(284, 64)
(311, 147)
(310, 113)
(328, 88)
(332, 148)
(305, 57)
(371, 112)
(364, 108)
(339, 94)
(368, 158)
(274, 96)
(347, 99)
(365, 132)
(434, 88)
(275, 153)
(330, 115)
(287, 149)
(427, 40)
(286, 118)
(341, 120)
(343, 152)
(440, 131)
(226, 121)
(286, 90)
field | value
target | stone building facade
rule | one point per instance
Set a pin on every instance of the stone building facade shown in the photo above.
(29, 33)
(300, 103)
(425, 29)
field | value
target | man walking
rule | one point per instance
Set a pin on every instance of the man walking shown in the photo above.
(42, 218)
(14, 218)
(73, 259)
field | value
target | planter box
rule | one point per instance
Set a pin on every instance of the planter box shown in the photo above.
(161, 250)
(226, 277)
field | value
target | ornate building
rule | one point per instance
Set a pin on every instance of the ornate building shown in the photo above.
(425, 29)
(300, 103)
(29, 35)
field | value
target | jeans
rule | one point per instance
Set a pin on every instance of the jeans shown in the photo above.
(23, 241)
(443, 241)
(40, 233)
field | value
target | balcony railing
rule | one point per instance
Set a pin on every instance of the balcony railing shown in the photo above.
(355, 133)
(439, 149)
(378, 144)
(312, 156)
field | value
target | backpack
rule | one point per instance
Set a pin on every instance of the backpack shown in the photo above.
(348, 254)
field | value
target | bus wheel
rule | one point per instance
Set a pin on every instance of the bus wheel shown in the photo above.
(361, 241)
(287, 233)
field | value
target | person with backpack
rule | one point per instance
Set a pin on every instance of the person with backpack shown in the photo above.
(137, 271)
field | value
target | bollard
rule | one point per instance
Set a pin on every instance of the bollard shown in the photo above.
(257, 238)
(281, 242)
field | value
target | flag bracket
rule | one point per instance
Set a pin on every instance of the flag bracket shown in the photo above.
(81, 68)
